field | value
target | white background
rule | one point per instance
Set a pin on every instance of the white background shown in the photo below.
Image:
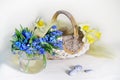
(103, 14)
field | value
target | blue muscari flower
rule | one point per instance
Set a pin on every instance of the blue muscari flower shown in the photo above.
(54, 27)
(60, 42)
(24, 46)
(37, 41)
(26, 34)
(38, 47)
(46, 38)
(48, 35)
(34, 44)
(59, 33)
(56, 33)
(25, 41)
(52, 39)
(42, 40)
(55, 44)
(53, 33)
(41, 51)
(59, 45)
(29, 51)
(17, 44)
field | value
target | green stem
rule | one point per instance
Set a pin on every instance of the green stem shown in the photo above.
(44, 59)
(27, 66)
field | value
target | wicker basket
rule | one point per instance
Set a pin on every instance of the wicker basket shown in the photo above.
(72, 43)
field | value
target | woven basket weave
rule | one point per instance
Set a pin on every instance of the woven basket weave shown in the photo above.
(72, 43)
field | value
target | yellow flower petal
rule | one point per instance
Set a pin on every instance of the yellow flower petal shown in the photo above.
(40, 23)
(90, 39)
(86, 28)
(98, 35)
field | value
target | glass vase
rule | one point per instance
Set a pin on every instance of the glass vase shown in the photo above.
(33, 64)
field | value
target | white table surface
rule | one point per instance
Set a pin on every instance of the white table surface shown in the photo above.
(103, 14)
(103, 69)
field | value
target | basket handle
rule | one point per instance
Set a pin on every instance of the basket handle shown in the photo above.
(71, 18)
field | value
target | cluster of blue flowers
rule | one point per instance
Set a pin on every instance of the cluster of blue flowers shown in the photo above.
(23, 43)
(52, 38)
(30, 43)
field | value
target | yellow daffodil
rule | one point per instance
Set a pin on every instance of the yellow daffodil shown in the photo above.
(86, 28)
(90, 35)
(40, 23)
(98, 35)
(90, 38)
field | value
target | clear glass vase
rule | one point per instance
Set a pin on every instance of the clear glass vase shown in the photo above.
(31, 65)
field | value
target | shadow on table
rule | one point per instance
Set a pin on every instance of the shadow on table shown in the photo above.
(101, 51)
(6, 56)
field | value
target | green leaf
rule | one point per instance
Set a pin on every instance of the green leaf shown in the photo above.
(13, 48)
(15, 39)
(48, 48)
(32, 38)
(27, 29)
(17, 32)
(48, 45)
(19, 35)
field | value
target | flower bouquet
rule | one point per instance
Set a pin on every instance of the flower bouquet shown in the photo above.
(32, 49)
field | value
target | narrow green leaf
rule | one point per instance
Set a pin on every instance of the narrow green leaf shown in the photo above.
(31, 39)
(21, 27)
